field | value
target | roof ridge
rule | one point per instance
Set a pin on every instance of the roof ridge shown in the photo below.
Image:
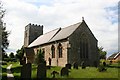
(55, 33)
(116, 54)
(51, 31)
(72, 25)
(62, 28)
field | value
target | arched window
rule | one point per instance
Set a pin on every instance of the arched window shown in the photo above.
(84, 47)
(53, 51)
(60, 50)
(43, 51)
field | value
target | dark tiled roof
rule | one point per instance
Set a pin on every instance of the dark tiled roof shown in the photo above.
(113, 56)
(65, 32)
(57, 34)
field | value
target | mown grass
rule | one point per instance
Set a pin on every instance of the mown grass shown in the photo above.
(4, 70)
(89, 72)
(16, 69)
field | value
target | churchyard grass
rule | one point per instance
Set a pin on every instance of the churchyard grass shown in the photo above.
(16, 69)
(34, 71)
(89, 72)
(4, 70)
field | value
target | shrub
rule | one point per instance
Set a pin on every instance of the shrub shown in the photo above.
(101, 68)
(39, 58)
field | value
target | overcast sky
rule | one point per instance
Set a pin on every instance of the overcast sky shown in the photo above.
(100, 15)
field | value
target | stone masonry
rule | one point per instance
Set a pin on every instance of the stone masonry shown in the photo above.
(77, 41)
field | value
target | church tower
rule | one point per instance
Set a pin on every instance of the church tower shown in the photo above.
(32, 32)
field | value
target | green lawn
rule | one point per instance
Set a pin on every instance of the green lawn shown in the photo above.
(4, 71)
(89, 72)
(16, 69)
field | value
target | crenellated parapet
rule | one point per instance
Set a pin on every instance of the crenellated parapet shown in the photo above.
(32, 31)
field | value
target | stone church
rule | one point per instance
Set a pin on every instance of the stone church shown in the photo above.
(75, 43)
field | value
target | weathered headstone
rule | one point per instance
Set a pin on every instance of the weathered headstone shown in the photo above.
(41, 70)
(68, 66)
(83, 65)
(110, 62)
(64, 71)
(54, 73)
(23, 72)
(75, 65)
(104, 63)
(26, 71)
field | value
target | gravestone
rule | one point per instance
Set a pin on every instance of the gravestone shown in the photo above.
(110, 62)
(104, 63)
(41, 70)
(64, 71)
(75, 65)
(83, 65)
(54, 73)
(26, 71)
(23, 72)
(68, 66)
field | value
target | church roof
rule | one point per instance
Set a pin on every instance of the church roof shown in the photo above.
(54, 35)
(44, 38)
(65, 32)
(114, 56)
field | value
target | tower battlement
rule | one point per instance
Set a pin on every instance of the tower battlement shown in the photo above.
(32, 31)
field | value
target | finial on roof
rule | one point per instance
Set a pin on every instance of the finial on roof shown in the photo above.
(82, 18)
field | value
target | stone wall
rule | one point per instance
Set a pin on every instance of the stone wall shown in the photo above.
(30, 55)
(54, 61)
(71, 46)
(74, 52)
(118, 58)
